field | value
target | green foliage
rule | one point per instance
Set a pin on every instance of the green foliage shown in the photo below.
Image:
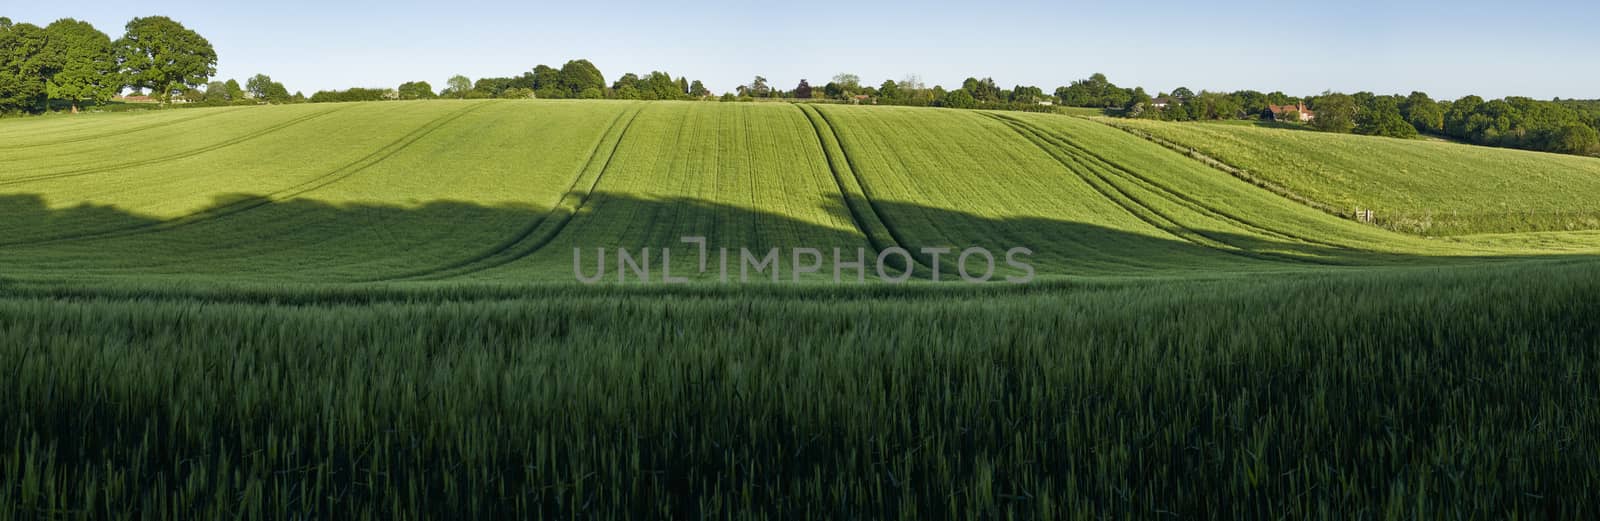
(1334, 113)
(984, 90)
(415, 90)
(492, 87)
(1382, 118)
(164, 57)
(1575, 138)
(1523, 123)
(890, 91)
(849, 82)
(354, 94)
(457, 86)
(591, 93)
(546, 77)
(628, 92)
(660, 86)
(1029, 94)
(265, 90)
(1096, 91)
(757, 88)
(578, 75)
(1423, 113)
(552, 92)
(83, 70)
(959, 99)
(25, 58)
(216, 94)
(1215, 106)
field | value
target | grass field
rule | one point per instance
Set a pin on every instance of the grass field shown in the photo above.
(1427, 187)
(369, 311)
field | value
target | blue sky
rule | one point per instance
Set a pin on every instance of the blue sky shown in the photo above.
(1538, 48)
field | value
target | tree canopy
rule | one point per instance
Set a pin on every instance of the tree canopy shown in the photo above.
(415, 90)
(578, 75)
(1096, 92)
(82, 69)
(165, 57)
(264, 89)
(457, 87)
(24, 60)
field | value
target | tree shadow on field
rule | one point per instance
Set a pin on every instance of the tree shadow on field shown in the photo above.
(245, 237)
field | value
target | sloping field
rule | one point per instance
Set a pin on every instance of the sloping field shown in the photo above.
(367, 311)
(743, 176)
(505, 191)
(1419, 187)
(359, 191)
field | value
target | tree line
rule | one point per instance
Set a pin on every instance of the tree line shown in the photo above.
(69, 65)
(974, 93)
(577, 79)
(1568, 127)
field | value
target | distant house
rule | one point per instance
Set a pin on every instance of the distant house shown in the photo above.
(1162, 102)
(1281, 112)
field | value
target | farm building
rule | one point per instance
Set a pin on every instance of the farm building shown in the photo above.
(1280, 112)
(1161, 102)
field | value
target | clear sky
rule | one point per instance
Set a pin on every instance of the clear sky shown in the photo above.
(1537, 48)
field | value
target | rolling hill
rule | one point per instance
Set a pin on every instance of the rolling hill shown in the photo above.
(497, 191)
(368, 311)
(1421, 187)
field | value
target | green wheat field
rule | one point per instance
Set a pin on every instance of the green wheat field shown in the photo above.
(370, 311)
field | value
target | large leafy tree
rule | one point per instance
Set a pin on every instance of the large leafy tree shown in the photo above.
(1335, 113)
(889, 90)
(162, 55)
(83, 69)
(758, 87)
(24, 60)
(415, 90)
(1423, 113)
(578, 75)
(457, 86)
(264, 89)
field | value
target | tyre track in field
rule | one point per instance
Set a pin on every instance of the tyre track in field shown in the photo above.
(244, 205)
(507, 251)
(81, 139)
(1170, 194)
(866, 214)
(174, 157)
(1144, 212)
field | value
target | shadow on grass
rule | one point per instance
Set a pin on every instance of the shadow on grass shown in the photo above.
(308, 241)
